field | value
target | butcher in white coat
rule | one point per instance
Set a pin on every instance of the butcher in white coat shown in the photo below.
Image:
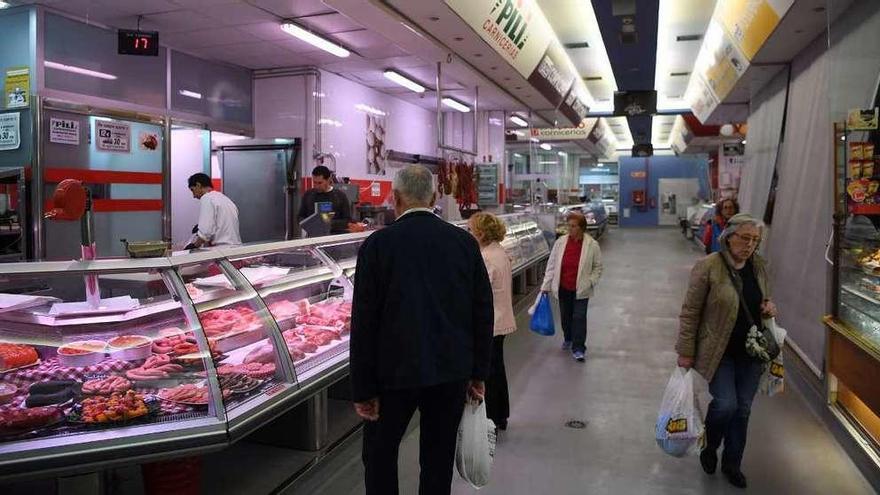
(218, 215)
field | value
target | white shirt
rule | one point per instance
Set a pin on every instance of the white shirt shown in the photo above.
(218, 220)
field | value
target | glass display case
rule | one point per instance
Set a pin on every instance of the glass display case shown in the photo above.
(524, 242)
(183, 353)
(857, 236)
(597, 218)
(853, 353)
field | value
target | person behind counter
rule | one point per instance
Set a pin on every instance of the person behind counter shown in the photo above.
(218, 215)
(324, 197)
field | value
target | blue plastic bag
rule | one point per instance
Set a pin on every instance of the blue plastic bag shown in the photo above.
(542, 319)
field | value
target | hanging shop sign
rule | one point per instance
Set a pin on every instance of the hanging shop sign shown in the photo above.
(751, 22)
(64, 131)
(113, 136)
(10, 131)
(516, 29)
(519, 32)
(561, 133)
(737, 31)
(553, 77)
(575, 106)
(17, 87)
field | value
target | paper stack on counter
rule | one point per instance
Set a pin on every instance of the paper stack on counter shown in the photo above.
(120, 304)
(16, 302)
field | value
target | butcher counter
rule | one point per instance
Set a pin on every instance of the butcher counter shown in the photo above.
(231, 341)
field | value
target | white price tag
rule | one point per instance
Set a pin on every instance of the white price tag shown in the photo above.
(10, 131)
(113, 136)
(64, 131)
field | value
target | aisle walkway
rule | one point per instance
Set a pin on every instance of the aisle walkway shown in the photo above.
(632, 324)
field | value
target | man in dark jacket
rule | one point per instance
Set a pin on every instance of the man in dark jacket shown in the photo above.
(421, 336)
(323, 197)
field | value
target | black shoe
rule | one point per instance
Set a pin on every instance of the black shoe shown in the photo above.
(709, 460)
(735, 477)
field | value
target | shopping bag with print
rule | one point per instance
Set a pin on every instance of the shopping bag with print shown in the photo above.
(542, 319)
(679, 427)
(475, 447)
(773, 379)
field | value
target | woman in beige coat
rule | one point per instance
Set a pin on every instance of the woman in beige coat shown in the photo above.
(712, 339)
(573, 271)
(489, 231)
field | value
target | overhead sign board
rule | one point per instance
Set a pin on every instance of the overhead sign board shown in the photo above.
(737, 31)
(516, 29)
(519, 32)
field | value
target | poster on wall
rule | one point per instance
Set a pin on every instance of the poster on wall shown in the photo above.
(112, 136)
(17, 87)
(148, 141)
(377, 126)
(64, 131)
(10, 131)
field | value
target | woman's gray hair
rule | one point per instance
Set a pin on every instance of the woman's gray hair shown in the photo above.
(415, 184)
(735, 223)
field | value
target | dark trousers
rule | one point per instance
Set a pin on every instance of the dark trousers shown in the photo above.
(441, 407)
(733, 388)
(497, 398)
(573, 313)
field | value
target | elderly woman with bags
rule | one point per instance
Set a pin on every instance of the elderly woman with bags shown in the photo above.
(723, 338)
(489, 231)
(573, 271)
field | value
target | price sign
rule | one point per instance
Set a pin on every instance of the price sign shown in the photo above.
(10, 131)
(64, 131)
(113, 136)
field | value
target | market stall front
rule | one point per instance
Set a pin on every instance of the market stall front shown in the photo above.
(185, 354)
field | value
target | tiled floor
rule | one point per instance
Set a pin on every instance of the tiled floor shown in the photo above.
(632, 326)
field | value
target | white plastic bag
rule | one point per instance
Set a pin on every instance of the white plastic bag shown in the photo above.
(679, 427)
(475, 449)
(773, 379)
(533, 307)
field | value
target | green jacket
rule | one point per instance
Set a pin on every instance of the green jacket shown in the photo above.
(709, 312)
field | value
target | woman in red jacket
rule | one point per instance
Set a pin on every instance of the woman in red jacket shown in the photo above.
(724, 211)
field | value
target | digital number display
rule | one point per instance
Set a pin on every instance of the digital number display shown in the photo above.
(138, 42)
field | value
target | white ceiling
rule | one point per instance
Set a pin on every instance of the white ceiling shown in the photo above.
(678, 18)
(248, 34)
(574, 21)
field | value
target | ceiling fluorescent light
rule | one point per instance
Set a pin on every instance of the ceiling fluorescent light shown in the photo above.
(404, 81)
(314, 40)
(562, 153)
(190, 94)
(516, 119)
(4, 5)
(546, 146)
(581, 44)
(689, 37)
(79, 70)
(535, 140)
(456, 105)
(369, 109)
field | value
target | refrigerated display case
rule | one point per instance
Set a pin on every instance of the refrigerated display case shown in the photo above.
(182, 355)
(524, 242)
(853, 352)
(595, 213)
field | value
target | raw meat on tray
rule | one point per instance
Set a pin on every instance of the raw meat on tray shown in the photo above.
(16, 355)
